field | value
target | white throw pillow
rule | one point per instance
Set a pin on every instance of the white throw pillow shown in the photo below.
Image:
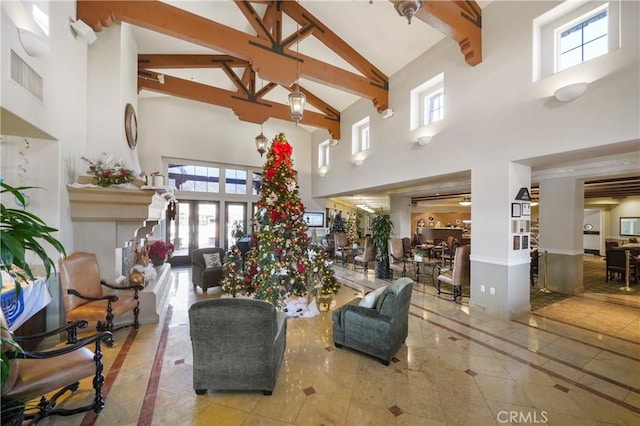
(369, 301)
(211, 260)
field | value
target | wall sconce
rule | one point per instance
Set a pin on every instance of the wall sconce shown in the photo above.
(84, 31)
(322, 172)
(33, 44)
(570, 92)
(424, 140)
(387, 113)
(358, 162)
(335, 142)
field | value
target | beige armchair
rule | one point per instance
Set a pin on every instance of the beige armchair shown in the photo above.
(341, 247)
(460, 275)
(397, 259)
(84, 296)
(369, 255)
(38, 374)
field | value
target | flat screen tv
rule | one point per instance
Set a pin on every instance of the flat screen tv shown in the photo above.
(314, 219)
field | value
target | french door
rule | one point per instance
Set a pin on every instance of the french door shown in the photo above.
(234, 213)
(196, 225)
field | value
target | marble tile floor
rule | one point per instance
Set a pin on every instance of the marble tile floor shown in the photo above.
(575, 362)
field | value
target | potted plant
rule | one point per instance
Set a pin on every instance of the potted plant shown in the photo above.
(381, 230)
(21, 232)
(159, 251)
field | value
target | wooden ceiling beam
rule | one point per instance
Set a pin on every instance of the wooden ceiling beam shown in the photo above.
(335, 43)
(189, 61)
(458, 20)
(247, 109)
(268, 59)
(246, 84)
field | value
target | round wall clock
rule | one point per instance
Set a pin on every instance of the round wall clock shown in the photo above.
(131, 126)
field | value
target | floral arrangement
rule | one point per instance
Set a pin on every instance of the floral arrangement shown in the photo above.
(160, 250)
(106, 173)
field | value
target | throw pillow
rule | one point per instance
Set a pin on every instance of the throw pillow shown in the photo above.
(212, 260)
(370, 300)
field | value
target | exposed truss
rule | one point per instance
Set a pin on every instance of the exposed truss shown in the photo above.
(269, 53)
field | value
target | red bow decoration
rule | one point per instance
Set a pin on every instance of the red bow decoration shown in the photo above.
(282, 151)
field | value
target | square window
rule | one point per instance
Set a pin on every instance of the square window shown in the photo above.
(323, 154)
(582, 39)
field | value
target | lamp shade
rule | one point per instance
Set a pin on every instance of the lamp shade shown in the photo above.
(297, 101)
(570, 92)
(261, 143)
(33, 44)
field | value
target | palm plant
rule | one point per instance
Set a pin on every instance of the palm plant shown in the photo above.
(21, 232)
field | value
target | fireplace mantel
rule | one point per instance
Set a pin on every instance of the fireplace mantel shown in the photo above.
(112, 204)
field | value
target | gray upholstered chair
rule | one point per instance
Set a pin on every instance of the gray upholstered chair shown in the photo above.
(460, 275)
(377, 331)
(368, 255)
(238, 344)
(201, 275)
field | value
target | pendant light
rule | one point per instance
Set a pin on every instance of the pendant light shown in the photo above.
(261, 139)
(297, 99)
(408, 8)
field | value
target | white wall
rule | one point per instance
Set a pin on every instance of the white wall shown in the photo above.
(495, 113)
(178, 128)
(62, 114)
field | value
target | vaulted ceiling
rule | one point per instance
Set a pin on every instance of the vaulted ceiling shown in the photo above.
(266, 50)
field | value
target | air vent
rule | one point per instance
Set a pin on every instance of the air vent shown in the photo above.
(25, 76)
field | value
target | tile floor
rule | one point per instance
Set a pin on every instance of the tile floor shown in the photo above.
(572, 362)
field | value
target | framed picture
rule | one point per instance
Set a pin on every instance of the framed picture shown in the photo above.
(514, 226)
(516, 242)
(525, 242)
(526, 209)
(516, 210)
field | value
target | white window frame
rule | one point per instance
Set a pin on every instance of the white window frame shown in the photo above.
(427, 112)
(360, 136)
(564, 16)
(324, 153)
(558, 36)
(421, 98)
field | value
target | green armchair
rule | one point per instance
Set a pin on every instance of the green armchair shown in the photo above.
(203, 276)
(377, 331)
(238, 344)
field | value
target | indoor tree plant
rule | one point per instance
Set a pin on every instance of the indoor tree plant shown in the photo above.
(381, 230)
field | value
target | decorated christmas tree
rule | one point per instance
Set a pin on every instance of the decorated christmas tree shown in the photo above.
(352, 231)
(284, 263)
(233, 281)
(338, 223)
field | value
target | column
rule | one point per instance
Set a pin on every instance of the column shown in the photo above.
(499, 270)
(561, 236)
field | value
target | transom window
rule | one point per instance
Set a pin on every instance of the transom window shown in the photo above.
(206, 178)
(360, 136)
(584, 40)
(235, 181)
(189, 177)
